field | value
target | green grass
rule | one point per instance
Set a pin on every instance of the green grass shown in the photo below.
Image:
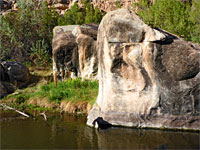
(71, 90)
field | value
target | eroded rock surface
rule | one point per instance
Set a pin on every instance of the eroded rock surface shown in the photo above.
(147, 77)
(74, 51)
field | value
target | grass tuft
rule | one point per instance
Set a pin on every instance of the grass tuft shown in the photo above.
(74, 90)
(71, 90)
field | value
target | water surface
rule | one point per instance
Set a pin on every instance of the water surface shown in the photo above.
(64, 131)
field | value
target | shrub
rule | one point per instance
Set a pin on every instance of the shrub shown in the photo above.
(171, 15)
(77, 15)
(26, 35)
(195, 19)
(92, 15)
(117, 4)
(39, 53)
(24, 30)
(73, 16)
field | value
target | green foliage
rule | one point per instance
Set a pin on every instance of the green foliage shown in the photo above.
(195, 19)
(39, 52)
(24, 30)
(92, 15)
(171, 15)
(26, 35)
(20, 99)
(38, 108)
(71, 90)
(77, 15)
(73, 16)
(117, 4)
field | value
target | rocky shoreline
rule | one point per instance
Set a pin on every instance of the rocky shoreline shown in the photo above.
(148, 78)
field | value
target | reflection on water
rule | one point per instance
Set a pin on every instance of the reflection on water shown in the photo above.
(70, 132)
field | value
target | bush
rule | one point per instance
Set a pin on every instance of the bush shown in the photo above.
(26, 35)
(173, 16)
(73, 16)
(85, 15)
(92, 15)
(26, 30)
(195, 19)
(117, 4)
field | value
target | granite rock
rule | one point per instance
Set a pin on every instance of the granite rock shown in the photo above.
(147, 77)
(74, 51)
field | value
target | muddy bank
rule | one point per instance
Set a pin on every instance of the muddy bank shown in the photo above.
(23, 99)
(44, 104)
(66, 106)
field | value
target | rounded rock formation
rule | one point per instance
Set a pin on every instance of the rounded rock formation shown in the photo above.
(147, 77)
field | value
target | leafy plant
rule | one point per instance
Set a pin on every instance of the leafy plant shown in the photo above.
(195, 19)
(39, 53)
(117, 4)
(73, 16)
(26, 35)
(171, 15)
(77, 15)
(21, 31)
(93, 15)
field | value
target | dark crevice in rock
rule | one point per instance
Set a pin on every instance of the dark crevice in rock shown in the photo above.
(147, 78)
(116, 65)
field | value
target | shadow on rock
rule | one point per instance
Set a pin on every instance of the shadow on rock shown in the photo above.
(99, 123)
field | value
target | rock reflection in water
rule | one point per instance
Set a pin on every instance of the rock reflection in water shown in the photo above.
(70, 132)
(126, 138)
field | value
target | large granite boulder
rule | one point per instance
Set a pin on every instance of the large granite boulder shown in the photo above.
(13, 75)
(17, 73)
(6, 88)
(5, 4)
(3, 90)
(147, 77)
(74, 51)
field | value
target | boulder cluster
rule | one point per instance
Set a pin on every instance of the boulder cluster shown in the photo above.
(147, 77)
(74, 51)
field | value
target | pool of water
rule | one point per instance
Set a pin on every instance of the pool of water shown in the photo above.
(64, 131)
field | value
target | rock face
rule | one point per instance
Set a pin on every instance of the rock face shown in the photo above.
(6, 88)
(13, 75)
(74, 51)
(147, 77)
(110, 5)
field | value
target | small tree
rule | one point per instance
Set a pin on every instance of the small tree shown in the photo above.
(171, 15)
(92, 15)
(117, 4)
(195, 19)
(75, 15)
(24, 30)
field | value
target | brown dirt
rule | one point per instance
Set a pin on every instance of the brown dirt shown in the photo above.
(70, 107)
